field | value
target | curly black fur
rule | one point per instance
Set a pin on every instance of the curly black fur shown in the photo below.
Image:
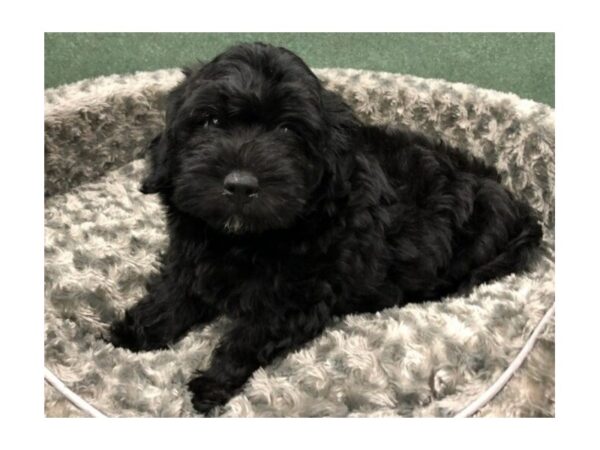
(347, 218)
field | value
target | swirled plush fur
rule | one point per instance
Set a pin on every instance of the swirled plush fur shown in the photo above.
(284, 210)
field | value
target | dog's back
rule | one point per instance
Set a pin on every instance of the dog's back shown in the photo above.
(455, 225)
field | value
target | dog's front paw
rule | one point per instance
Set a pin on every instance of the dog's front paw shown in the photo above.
(126, 334)
(208, 393)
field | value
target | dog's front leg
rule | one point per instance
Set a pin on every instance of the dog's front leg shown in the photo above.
(249, 345)
(160, 318)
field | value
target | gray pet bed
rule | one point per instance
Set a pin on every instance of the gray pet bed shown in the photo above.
(432, 359)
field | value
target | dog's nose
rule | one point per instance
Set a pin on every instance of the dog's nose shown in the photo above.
(242, 185)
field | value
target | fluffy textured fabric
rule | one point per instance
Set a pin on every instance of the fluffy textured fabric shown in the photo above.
(102, 238)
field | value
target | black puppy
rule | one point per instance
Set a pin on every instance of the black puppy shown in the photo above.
(284, 210)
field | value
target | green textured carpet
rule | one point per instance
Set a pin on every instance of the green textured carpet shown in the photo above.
(522, 63)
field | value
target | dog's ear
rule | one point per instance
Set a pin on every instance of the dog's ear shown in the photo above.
(341, 126)
(337, 113)
(333, 150)
(157, 179)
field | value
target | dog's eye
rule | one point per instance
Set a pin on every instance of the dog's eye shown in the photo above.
(211, 121)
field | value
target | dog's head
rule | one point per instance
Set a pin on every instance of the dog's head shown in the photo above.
(252, 141)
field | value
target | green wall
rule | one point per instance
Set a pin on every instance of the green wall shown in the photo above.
(522, 63)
